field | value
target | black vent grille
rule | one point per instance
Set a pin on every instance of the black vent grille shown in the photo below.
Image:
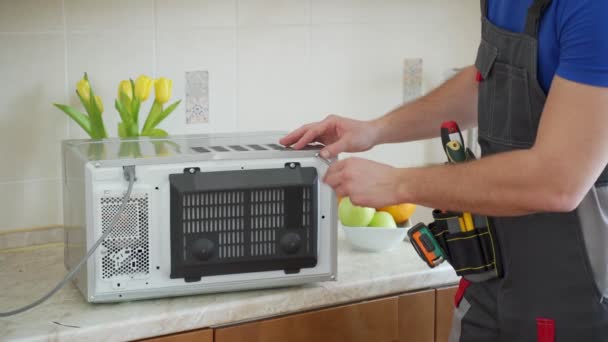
(242, 221)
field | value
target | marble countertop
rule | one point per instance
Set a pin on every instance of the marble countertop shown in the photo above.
(26, 274)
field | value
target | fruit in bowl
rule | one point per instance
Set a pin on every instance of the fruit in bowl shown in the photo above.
(370, 230)
(382, 219)
(354, 216)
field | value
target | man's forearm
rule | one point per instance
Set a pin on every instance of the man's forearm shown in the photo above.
(455, 100)
(513, 183)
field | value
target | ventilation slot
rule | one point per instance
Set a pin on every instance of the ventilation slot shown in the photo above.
(126, 251)
(200, 150)
(238, 148)
(219, 149)
(257, 147)
(277, 147)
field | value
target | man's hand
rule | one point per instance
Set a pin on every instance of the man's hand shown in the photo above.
(367, 183)
(338, 133)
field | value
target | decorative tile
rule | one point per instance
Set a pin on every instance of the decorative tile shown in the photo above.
(197, 97)
(212, 50)
(412, 79)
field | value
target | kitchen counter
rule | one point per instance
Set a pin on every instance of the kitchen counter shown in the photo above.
(27, 274)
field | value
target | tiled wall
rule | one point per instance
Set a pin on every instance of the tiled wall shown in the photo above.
(273, 64)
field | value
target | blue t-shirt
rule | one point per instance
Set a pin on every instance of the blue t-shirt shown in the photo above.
(573, 38)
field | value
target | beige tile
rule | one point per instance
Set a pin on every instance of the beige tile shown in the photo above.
(274, 78)
(31, 15)
(195, 13)
(387, 11)
(195, 49)
(33, 77)
(29, 237)
(120, 57)
(357, 69)
(30, 204)
(273, 12)
(94, 15)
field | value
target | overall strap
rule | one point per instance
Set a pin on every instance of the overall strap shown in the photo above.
(484, 8)
(535, 13)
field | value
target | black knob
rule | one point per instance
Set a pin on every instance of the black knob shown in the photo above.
(290, 243)
(203, 249)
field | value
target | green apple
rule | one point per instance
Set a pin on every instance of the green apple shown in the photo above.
(354, 216)
(383, 219)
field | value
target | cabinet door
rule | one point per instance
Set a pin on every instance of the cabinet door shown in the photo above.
(205, 335)
(444, 313)
(417, 317)
(362, 322)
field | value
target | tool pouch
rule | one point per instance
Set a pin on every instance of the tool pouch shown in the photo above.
(473, 254)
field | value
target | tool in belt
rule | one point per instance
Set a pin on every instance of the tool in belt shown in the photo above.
(467, 241)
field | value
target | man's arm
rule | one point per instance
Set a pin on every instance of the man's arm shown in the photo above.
(455, 100)
(570, 152)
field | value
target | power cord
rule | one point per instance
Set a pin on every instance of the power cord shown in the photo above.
(129, 172)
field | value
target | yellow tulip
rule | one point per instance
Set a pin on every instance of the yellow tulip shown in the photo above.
(162, 88)
(143, 85)
(83, 88)
(98, 103)
(125, 89)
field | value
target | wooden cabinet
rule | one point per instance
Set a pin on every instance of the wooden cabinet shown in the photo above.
(424, 316)
(416, 317)
(444, 304)
(368, 321)
(205, 335)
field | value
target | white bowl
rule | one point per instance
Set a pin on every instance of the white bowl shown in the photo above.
(373, 239)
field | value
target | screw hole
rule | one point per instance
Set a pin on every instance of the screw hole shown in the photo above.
(119, 296)
(242, 168)
(118, 284)
(158, 267)
(156, 188)
(147, 283)
(323, 217)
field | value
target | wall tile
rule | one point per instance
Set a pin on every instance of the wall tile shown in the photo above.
(108, 57)
(357, 70)
(31, 16)
(95, 15)
(274, 78)
(32, 69)
(387, 11)
(195, 13)
(211, 50)
(30, 204)
(273, 12)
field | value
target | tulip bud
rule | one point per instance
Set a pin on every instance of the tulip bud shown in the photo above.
(99, 104)
(143, 85)
(162, 88)
(124, 89)
(84, 90)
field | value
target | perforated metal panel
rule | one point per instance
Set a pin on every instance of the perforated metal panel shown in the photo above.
(126, 251)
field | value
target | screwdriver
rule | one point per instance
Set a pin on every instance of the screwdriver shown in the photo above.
(456, 153)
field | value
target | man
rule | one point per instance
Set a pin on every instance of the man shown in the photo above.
(542, 179)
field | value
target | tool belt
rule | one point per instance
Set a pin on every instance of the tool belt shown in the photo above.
(472, 253)
(468, 242)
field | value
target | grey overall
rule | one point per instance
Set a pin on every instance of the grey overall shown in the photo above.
(555, 264)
